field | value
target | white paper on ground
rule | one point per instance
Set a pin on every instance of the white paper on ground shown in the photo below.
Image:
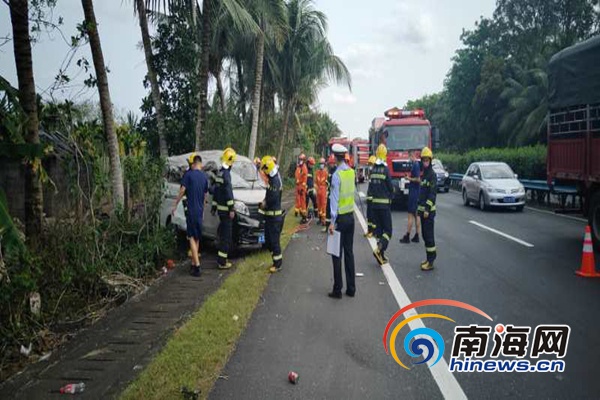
(333, 243)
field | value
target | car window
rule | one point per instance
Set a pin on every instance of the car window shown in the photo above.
(497, 171)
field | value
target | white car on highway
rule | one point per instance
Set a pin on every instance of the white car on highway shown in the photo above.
(248, 192)
(492, 184)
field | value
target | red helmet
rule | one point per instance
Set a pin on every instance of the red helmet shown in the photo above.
(311, 161)
(331, 159)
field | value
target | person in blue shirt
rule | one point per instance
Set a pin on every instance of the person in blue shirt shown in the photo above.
(413, 199)
(194, 186)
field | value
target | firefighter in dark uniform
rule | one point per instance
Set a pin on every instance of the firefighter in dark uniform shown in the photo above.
(381, 191)
(370, 223)
(223, 204)
(332, 168)
(426, 208)
(271, 209)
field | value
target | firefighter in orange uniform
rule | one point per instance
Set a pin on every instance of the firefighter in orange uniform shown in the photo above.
(322, 176)
(301, 183)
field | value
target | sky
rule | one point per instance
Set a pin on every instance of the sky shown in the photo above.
(396, 50)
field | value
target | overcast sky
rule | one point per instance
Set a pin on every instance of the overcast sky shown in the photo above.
(395, 50)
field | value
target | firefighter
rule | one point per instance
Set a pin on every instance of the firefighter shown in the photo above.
(342, 220)
(321, 178)
(332, 167)
(311, 195)
(370, 223)
(301, 182)
(381, 190)
(426, 208)
(271, 209)
(259, 174)
(223, 205)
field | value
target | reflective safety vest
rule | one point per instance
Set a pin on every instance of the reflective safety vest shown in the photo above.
(346, 197)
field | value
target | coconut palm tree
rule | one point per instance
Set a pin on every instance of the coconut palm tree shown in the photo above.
(116, 173)
(272, 22)
(140, 9)
(19, 16)
(306, 61)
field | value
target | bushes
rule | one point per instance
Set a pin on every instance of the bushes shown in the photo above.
(528, 162)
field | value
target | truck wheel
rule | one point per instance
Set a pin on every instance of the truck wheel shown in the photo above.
(465, 198)
(594, 218)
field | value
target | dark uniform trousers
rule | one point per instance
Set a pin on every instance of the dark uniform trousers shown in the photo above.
(382, 218)
(345, 225)
(273, 226)
(370, 222)
(225, 232)
(427, 225)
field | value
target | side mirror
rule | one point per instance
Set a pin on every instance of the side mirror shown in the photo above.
(476, 177)
(516, 176)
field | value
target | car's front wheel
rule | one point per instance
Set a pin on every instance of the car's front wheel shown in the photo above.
(482, 205)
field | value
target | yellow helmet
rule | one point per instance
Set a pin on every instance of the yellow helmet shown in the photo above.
(191, 158)
(228, 156)
(267, 164)
(372, 160)
(426, 153)
(381, 152)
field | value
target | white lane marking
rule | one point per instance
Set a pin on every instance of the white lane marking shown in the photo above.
(361, 194)
(578, 219)
(445, 380)
(497, 232)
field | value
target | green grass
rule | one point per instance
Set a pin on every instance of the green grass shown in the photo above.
(197, 352)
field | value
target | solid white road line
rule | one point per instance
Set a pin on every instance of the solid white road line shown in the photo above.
(578, 219)
(497, 232)
(445, 380)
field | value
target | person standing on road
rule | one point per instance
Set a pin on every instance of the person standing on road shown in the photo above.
(426, 208)
(194, 186)
(321, 179)
(223, 204)
(413, 199)
(301, 175)
(342, 220)
(271, 209)
(370, 223)
(382, 191)
(310, 185)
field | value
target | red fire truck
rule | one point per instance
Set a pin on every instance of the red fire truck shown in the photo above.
(358, 150)
(401, 131)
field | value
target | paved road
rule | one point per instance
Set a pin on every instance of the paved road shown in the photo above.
(336, 347)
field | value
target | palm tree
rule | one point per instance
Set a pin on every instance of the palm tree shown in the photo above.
(306, 61)
(270, 18)
(19, 15)
(140, 8)
(527, 99)
(116, 172)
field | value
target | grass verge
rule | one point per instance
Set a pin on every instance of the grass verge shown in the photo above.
(197, 352)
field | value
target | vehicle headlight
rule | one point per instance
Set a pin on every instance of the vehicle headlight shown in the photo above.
(446, 174)
(241, 208)
(521, 189)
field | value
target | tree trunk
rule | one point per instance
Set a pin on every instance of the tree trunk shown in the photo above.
(105, 104)
(256, 96)
(241, 89)
(286, 117)
(220, 91)
(34, 199)
(154, 89)
(203, 84)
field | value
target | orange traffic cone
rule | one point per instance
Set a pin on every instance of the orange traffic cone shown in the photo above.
(588, 265)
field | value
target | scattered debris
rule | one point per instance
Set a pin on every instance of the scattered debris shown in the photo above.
(188, 394)
(120, 282)
(137, 367)
(73, 388)
(46, 356)
(318, 248)
(26, 350)
(235, 317)
(360, 274)
(164, 271)
(293, 377)
(35, 303)
(382, 283)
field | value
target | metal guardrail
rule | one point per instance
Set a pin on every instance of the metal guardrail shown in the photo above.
(538, 189)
